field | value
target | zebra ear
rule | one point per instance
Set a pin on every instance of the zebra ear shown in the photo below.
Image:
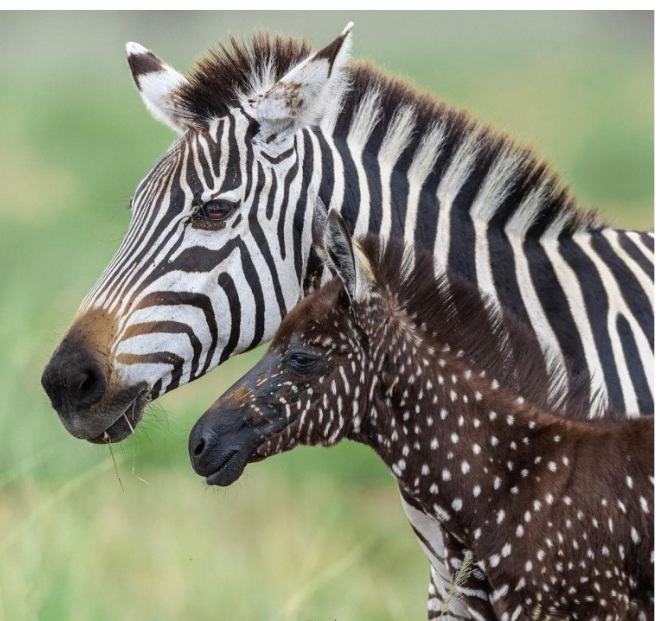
(157, 83)
(305, 94)
(345, 258)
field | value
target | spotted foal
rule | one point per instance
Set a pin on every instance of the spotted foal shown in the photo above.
(557, 511)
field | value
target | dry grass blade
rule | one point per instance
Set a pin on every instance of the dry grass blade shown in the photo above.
(137, 476)
(106, 437)
(128, 422)
(459, 579)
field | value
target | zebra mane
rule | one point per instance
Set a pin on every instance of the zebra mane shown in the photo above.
(438, 144)
(453, 313)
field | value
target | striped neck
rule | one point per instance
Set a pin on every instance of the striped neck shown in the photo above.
(408, 161)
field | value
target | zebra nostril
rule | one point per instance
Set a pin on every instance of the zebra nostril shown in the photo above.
(73, 379)
(87, 382)
(90, 386)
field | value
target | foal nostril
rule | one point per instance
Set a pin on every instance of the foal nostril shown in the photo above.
(199, 448)
(202, 445)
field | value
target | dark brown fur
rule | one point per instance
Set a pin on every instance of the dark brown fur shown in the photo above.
(557, 510)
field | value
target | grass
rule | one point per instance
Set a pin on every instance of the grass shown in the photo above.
(313, 534)
(86, 550)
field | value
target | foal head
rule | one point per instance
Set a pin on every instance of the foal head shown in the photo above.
(313, 385)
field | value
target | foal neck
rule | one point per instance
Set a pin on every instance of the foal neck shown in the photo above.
(457, 442)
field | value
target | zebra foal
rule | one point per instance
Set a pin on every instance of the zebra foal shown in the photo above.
(557, 510)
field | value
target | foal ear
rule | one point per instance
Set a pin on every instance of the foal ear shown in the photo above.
(345, 258)
(319, 220)
(157, 82)
(305, 94)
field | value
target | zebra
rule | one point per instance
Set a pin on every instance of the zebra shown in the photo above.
(390, 356)
(223, 235)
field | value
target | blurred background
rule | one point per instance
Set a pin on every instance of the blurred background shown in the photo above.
(316, 534)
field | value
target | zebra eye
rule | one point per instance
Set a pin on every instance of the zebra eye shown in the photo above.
(214, 211)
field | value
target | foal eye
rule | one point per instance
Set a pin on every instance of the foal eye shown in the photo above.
(214, 212)
(302, 361)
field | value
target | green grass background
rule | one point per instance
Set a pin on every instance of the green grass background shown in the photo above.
(315, 534)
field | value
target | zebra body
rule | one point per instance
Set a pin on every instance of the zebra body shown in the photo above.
(221, 238)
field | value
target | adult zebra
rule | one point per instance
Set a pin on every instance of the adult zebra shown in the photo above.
(221, 234)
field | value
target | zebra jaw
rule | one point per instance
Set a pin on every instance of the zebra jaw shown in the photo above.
(124, 425)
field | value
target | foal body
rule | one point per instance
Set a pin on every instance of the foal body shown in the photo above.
(556, 511)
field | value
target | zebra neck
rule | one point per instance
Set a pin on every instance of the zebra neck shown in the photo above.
(414, 174)
(515, 237)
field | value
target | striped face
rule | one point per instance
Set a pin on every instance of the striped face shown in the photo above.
(214, 255)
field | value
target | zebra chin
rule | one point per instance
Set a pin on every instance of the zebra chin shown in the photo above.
(95, 397)
(109, 422)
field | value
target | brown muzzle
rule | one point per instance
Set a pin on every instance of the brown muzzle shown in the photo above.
(76, 377)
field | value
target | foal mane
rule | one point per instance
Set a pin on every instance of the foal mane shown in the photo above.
(422, 131)
(449, 311)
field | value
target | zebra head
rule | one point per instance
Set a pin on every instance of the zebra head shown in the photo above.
(219, 237)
